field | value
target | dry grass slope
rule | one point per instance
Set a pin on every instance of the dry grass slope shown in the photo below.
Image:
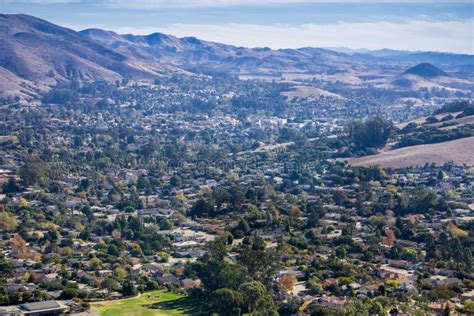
(459, 151)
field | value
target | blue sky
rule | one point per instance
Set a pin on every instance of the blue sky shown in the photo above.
(412, 25)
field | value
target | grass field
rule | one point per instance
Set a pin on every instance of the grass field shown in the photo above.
(151, 304)
(460, 151)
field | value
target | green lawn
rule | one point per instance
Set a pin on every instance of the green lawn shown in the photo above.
(151, 304)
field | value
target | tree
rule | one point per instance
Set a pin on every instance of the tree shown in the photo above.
(33, 171)
(315, 212)
(226, 301)
(236, 197)
(8, 222)
(376, 309)
(128, 288)
(232, 275)
(256, 298)
(372, 133)
(69, 293)
(241, 229)
(210, 265)
(95, 263)
(286, 282)
(419, 201)
(151, 285)
(111, 285)
(261, 264)
(113, 251)
(64, 273)
(11, 186)
(447, 310)
(18, 245)
(59, 96)
(202, 208)
(120, 273)
(314, 286)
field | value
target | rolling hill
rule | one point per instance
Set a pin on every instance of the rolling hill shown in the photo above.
(37, 54)
(426, 76)
(197, 55)
(459, 151)
(426, 70)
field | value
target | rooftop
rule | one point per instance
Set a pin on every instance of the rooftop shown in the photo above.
(41, 306)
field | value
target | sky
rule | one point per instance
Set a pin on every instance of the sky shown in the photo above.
(427, 25)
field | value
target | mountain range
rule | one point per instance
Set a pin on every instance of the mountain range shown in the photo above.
(36, 54)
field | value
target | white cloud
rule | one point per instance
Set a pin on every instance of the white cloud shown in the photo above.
(449, 36)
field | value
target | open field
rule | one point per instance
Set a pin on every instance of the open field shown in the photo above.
(299, 92)
(154, 303)
(459, 151)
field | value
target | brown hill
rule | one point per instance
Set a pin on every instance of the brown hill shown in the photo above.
(36, 55)
(426, 70)
(459, 151)
(38, 52)
(198, 55)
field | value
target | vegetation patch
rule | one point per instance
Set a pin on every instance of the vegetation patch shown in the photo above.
(152, 303)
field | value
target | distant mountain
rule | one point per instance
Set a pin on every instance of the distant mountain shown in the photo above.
(197, 55)
(387, 53)
(426, 75)
(349, 51)
(36, 54)
(410, 57)
(382, 53)
(426, 70)
(437, 58)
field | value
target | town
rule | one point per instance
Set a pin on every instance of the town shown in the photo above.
(236, 157)
(105, 198)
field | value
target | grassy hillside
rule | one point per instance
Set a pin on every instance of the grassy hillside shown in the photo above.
(460, 151)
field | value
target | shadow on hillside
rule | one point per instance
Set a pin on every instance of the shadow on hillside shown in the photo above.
(185, 305)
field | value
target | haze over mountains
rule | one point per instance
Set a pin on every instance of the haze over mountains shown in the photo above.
(37, 54)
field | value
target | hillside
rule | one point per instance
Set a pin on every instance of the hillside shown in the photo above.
(447, 135)
(36, 53)
(426, 70)
(436, 58)
(198, 55)
(459, 151)
(427, 76)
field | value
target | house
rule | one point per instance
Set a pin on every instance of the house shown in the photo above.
(168, 279)
(355, 286)
(438, 308)
(445, 272)
(331, 302)
(292, 271)
(439, 280)
(48, 308)
(190, 284)
(388, 272)
(328, 282)
(467, 296)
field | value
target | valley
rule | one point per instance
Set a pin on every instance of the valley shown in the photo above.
(164, 175)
